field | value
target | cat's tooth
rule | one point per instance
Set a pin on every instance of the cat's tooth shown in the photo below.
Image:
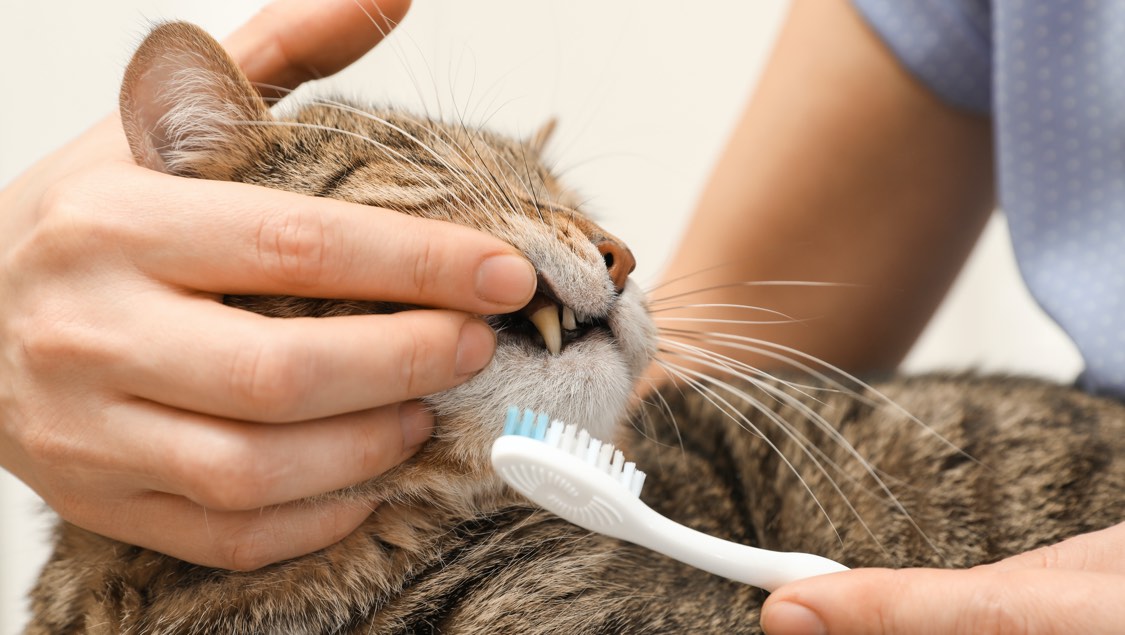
(568, 321)
(546, 320)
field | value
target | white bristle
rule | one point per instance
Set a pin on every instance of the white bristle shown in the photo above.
(638, 483)
(627, 473)
(554, 433)
(578, 443)
(583, 443)
(618, 463)
(592, 452)
(604, 456)
(569, 438)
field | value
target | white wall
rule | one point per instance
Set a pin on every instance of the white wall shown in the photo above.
(644, 91)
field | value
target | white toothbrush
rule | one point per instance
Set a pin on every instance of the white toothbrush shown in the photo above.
(589, 483)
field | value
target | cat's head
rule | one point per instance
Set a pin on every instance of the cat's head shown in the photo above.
(188, 110)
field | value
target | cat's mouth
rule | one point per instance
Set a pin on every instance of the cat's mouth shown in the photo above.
(549, 322)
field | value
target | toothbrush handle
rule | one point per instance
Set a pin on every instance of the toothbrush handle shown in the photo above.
(762, 568)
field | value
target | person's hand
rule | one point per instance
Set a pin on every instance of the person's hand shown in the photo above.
(140, 407)
(1076, 586)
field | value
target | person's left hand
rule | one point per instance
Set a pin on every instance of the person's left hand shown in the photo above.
(1076, 586)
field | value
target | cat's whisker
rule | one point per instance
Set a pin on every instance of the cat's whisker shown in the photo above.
(692, 274)
(780, 351)
(441, 186)
(428, 149)
(721, 305)
(750, 284)
(528, 185)
(725, 364)
(807, 446)
(697, 381)
(478, 168)
(702, 320)
(714, 338)
(666, 407)
(742, 366)
(560, 170)
(532, 188)
(500, 188)
(384, 30)
(758, 378)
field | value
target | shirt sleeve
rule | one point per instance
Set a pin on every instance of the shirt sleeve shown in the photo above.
(946, 44)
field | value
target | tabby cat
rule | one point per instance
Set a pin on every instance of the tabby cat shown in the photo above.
(1000, 466)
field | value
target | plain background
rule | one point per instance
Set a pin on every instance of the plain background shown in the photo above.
(645, 94)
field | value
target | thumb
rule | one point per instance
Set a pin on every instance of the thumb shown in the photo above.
(924, 601)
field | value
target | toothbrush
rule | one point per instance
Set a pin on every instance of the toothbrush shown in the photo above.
(589, 483)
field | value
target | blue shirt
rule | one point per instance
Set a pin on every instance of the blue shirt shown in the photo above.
(1051, 74)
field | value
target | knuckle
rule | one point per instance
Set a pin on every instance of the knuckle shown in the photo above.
(418, 358)
(73, 211)
(226, 476)
(76, 505)
(62, 197)
(425, 271)
(245, 548)
(51, 451)
(991, 611)
(1048, 557)
(269, 380)
(370, 449)
(297, 246)
(54, 339)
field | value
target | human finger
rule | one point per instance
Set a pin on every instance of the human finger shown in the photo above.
(242, 540)
(1102, 551)
(925, 601)
(247, 239)
(227, 465)
(292, 41)
(231, 363)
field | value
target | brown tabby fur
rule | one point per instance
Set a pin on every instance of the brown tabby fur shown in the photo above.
(1002, 465)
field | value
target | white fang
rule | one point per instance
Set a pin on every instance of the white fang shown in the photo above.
(546, 320)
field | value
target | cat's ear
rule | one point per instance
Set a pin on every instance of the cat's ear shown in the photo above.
(186, 107)
(538, 141)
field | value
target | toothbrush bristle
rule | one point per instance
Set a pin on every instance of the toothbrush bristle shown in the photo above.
(577, 442)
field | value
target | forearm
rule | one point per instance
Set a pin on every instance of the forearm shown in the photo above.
(843, 170)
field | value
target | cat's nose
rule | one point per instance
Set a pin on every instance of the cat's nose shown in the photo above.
(618, 259)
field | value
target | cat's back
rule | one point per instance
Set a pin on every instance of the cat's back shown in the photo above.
(935, 470)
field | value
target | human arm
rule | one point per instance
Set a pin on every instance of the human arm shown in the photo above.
(843, 169)
(142, 408)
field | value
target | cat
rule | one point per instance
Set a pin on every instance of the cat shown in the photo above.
(804, 463)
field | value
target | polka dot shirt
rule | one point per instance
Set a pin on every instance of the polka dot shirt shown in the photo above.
(1052, 77)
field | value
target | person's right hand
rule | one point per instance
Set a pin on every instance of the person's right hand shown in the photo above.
(141, 408)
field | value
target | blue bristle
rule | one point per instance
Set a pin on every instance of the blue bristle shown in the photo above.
(527, 423)
(511, 420)
(540, 427)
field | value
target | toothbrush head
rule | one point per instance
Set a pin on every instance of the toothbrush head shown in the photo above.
(576, 442)
(565, 471)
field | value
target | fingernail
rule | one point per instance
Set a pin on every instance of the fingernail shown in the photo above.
(475, 347)
(506, 279)
(417, 423)
(787, 618)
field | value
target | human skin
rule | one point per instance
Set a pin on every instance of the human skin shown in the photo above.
(844, 169)
(142, 408)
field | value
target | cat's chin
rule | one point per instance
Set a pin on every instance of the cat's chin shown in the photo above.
(589, 382)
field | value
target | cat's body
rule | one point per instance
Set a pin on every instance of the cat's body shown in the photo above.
(1041, 467)
(1000, 466)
